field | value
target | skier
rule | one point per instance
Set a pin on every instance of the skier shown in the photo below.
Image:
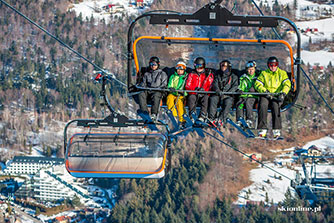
(175, 100)
(272, 80)
(153, 78)
(200, 79)
(247, 85)
(225, 81)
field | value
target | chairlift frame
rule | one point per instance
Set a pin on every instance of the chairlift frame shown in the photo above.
(213, 14)
(312, 188)
(114, 120)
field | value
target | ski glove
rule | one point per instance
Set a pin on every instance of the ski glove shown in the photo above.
(220, 93)
(199, 89)
(269, 96)
(240, 91)
(281, 96)
(172, 90)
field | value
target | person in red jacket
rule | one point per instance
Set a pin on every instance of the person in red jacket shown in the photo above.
(200, 79)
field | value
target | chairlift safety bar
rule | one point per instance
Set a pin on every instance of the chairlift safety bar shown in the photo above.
(216, 40)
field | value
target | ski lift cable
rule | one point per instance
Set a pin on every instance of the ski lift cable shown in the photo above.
(236, 149)
(317, 90)
(111, 75)
(305, 74)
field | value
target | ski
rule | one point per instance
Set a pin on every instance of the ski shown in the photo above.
(246, 128)
(215, 128)
(146, 117)
(196, 128)
(241, 130)
(174, 122)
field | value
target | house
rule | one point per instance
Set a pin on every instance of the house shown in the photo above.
(252, 157)
(314, 151)
(62, 219)
(140, 3)
(113, 8)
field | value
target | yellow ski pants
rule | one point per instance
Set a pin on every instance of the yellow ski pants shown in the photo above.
(177, 107)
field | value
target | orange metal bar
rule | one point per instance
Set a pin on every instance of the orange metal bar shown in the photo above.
(110, 172)
(218, 40)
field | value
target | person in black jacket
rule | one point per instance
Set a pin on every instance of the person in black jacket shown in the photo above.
(153, 78)
(225, 81)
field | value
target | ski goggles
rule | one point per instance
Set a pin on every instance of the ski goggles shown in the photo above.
(225, 64)
(153, 64)
(273, 64)
(198, 66)
(250, 64)
(180, 68)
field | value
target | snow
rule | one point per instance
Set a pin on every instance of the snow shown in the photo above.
(321, 143)
(325, 30)
(310, 11)
(277, 188)
(86, 8)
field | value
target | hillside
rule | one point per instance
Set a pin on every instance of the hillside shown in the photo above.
(43, 86)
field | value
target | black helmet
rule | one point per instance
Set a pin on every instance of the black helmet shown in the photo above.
(199, 61)
(224, 62)
(155, 59)
(272, 60)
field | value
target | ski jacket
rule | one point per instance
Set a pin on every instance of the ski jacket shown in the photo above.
(154, 79)
(274, 82)
(247, 84)
(225, 81)
(177, 81)
(203, 80)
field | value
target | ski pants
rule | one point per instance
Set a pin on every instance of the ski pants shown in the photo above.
(202, 100)
(154, 97)
(249, 102)
(176, 105)
(226, 104)
(274, 105)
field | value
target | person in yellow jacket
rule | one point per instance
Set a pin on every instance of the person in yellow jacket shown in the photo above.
(175, 100)
(272, 80)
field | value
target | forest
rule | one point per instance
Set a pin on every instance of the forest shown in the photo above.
(42, 83)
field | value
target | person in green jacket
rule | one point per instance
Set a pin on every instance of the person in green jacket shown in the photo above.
(175, 100)
(272, 80)
(247, 81)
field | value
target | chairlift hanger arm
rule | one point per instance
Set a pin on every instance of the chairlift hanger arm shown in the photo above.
(213, 15)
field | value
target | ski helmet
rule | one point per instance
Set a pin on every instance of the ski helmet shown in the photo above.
(272, 60)
(225, 63)
(155, 59)
(250, 64)
(181, 65)
(199, 62)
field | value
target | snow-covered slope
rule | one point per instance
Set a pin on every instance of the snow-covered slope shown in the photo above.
(276, 187)
(89, 8)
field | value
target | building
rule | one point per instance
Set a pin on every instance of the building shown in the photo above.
(314, 151)
(252, 157)
(49, 185)
(140, 3)
(29, 164)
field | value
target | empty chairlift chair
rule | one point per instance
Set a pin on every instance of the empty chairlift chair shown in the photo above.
(117, 155)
